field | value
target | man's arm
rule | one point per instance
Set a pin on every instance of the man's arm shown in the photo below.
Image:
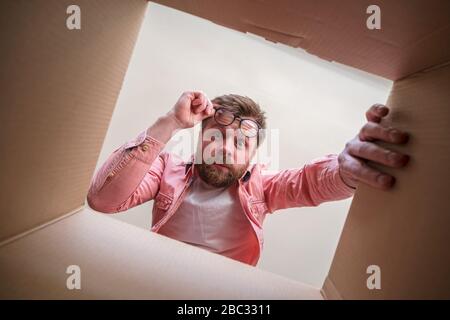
(336, 177)
(132, 173)
(316, 182)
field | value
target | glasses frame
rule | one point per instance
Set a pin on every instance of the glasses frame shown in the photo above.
(235, 117)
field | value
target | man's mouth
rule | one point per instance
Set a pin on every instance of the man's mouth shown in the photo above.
(221, 165)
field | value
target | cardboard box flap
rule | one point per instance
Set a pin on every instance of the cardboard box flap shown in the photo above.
(413, 35)
(59, 89)
(400, 238)
(120, 261)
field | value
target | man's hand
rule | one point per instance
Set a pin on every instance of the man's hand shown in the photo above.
(352, 161)
(191, 108)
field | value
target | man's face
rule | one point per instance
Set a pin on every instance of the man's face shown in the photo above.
(226, 153)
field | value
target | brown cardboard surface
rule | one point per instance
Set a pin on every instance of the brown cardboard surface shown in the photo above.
(414, 35)
(121, 261)
(59, 88)
(406, 231)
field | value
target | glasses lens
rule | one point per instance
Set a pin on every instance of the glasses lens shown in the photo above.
(224, 117)
(249, 128)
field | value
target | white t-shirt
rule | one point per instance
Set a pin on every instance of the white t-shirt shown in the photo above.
(213, 219)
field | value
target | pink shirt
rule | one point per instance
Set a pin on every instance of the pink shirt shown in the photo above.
(212, 218)
(138, 172)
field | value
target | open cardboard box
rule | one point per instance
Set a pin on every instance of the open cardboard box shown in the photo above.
(59, 89)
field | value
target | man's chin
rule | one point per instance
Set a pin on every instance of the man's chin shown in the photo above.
(216, 175)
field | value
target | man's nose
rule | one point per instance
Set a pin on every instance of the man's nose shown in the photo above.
(226, 153)
(226, 150)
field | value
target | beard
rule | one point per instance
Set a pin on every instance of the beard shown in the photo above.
(220, 177)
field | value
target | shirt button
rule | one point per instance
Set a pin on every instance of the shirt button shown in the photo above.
(145, 147)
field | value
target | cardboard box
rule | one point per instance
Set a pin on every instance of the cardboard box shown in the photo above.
(121, 261)
(60, 87)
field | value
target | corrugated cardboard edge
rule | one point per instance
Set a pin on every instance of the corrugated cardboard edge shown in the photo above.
(329, 291)
(426, 70)
(41, 226)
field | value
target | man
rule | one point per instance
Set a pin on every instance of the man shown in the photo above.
(218, 201)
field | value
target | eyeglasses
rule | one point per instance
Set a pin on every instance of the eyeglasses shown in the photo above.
(225, 117)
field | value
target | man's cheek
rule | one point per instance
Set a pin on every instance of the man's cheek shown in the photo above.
(242, 156)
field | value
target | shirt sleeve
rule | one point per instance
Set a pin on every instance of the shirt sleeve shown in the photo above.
(130, 176)
(316, 182)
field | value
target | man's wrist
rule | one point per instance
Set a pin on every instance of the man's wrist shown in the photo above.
(164, 128)
(171, 122)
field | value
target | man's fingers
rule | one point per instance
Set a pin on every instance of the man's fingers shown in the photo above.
(200, 102)
(202, 106)
(197, 102)
(361, 149)
(209, 108)
(373, 131)
(375, 153)
(197, 98)
(376, 112)
(360, 171)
